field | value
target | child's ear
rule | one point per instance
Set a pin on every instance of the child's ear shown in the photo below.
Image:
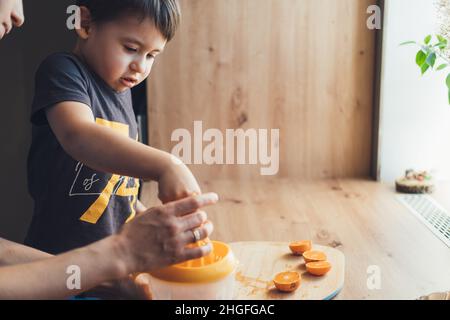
(85, 23)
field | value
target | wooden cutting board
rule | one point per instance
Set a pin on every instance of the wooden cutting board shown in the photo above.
(260, 261)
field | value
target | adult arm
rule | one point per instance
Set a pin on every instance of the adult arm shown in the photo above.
(153, 240)
(12, 253)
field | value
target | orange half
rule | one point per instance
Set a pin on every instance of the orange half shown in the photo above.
(287, 281)
(314, 256)
(298, 247)
(318, 268)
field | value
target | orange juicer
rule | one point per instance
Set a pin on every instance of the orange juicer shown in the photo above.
(209, 278)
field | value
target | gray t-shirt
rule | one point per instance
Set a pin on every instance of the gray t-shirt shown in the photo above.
(74, 204)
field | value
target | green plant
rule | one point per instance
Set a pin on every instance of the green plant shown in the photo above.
(431, 52)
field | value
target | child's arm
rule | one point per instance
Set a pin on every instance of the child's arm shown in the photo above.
(106, 150)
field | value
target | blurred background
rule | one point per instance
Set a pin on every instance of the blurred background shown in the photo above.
(306, 67)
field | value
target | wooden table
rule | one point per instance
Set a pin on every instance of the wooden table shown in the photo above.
(362, 218)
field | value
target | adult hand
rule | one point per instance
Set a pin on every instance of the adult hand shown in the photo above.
(159, 237)
(177, 182)
(11, 14)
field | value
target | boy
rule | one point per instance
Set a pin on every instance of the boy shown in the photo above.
(84, 146)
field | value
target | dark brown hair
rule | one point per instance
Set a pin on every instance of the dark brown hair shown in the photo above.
(166, 14)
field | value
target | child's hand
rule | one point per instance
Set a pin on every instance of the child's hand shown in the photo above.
(177, 182)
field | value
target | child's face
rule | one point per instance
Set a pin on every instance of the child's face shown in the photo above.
(122, 52)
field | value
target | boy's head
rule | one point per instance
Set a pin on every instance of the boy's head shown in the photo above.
(120, 39)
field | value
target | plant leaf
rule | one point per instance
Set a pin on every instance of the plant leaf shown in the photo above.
(448, 81)
(407, 42)
(442, 66)
(427, 50)
(420, 58)
(431, 59)
(443, 42)
(441, 45)
(424, 68)
(428, 39)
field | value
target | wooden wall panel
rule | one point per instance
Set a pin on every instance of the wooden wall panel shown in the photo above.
(305, 67)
